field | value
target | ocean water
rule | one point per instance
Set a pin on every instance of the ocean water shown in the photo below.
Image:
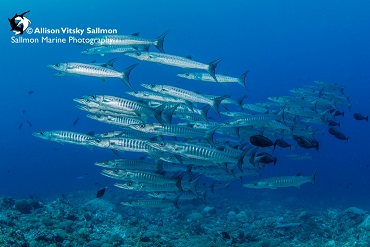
(284, 44)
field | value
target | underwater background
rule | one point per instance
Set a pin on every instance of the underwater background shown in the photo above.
(284, 44)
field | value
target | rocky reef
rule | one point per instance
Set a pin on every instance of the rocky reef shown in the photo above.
(81, 220)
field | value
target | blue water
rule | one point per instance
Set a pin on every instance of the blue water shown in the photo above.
(284, 44)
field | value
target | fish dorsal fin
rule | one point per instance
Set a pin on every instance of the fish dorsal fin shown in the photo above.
(189, 57)
(135, 34)
(298, 174)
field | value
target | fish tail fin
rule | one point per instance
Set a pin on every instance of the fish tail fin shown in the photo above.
(203, 195)
(338, 124)
(241, 79)
(158, 113)
(275, 160)
(241, 159)
(189, 105)
(367, 118)
(159, 42)
(193, 185)
(167, 115)
(212, 68)
(204, 112)
(179, 180)
(126, 74)
(240, 102)
(209, 135)
(110, 63)
(216, 103)
(176, 202)
(313, 177)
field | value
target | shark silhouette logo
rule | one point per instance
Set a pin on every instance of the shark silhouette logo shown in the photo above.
(19, 23)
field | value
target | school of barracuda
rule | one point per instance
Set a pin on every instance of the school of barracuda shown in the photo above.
(181, 144)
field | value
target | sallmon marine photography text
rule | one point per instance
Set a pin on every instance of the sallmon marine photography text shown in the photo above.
(62, 39)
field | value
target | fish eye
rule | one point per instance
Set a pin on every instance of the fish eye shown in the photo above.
(57, 65)
(138, 53)
(105, 134)
(115, 171)
(129, 183)
(116, 164)
(93, 96)
(42, 133)
(227, 122)
(142, 125)
(161, 144)
(136, 92)
(152, 85)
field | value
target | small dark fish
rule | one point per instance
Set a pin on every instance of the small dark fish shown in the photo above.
(76, 121)
(341, 136)
(31, 92)
(333, 131)
(337, 113)
(260, 141)
(283, 144)
(333, 123)
(20, 126)
(265, 158)
(359, 116)
(101, 192)
(29, 123)
(306, 143)
(225, 235)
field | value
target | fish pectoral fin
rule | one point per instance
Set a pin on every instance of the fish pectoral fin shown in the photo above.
(89, 147)
(102, 78)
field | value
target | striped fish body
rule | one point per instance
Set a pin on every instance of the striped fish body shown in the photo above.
(281, 182)
(249, 121)
(156, 96)
(179, 93)
(108, 49)
(122, 40)
(169, 130)
(87, 69)
(195, 151)
(120, 104)
(122, 144)
(167, 59)
(139, 176)
(63, 136)
(115, 120)
(128, 164)
(154, 203)
(147, 187)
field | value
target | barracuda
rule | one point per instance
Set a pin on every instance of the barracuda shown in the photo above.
(124, 105)
(250, 121)
(133, 40)
(128, 164)
(143, 177)
(281, 182)
(101, 50)
(152, 203)
(176, 61)
(63, 136)
(122, 144)
(101, 111)
(199, 152)
(65, 69)
(186, 95)
(219, 78)
(175, 130)
(157, 96)
(119, 121)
